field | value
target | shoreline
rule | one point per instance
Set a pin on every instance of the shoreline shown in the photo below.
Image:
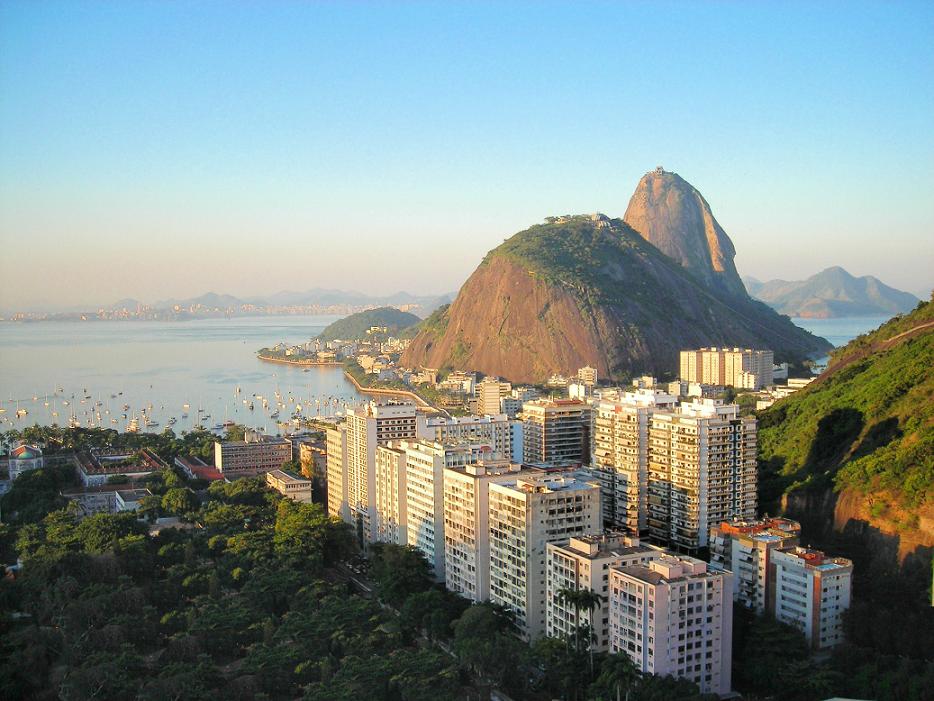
(303, 363)
(394, 392)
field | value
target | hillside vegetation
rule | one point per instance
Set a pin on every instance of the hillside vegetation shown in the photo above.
(356, 325)
(866, 424)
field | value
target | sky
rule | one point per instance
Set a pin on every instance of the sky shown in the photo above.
(155, 149)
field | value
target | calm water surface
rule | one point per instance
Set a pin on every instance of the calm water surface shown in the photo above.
(163, 365)
(843, 330)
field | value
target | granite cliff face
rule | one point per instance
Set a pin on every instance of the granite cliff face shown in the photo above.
(673, 216)
(589, 290)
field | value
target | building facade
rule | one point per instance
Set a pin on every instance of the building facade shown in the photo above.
(290, 485)
(556, 430)
(583, 563)
(620, 450)
(744, 548)
(466, 525)
(810, 591)
(702, 471)
(728, 367)
(254, 456)
(367, 428)
(337, 475)
(494, 429)
(673, 617)
(525, 514)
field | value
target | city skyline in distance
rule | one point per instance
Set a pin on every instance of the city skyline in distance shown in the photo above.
(210, 160)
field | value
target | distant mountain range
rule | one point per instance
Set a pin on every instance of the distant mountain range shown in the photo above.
(212, 304)
(831, 293)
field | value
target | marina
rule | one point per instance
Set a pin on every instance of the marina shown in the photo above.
(153, 376)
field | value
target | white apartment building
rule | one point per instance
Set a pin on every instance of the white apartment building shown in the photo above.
(555, 430)
(525, 514)
(584, 562)
(673, 617)
(811, 591)
(494, 429)
(391, 501)
(337, 475)
(489, 393)
(367, 428)
(744, 548)
(466, 525)
(424, 487)
(702, 471)
(734, 367)
(620, 451)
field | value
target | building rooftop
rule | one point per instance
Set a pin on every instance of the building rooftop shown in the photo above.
(286, 476)
(106, 461)
(815, 559)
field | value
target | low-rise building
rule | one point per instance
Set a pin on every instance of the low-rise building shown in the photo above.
(810, 591)
(673, 617)
(98, 465)
(290, 485)
(23, 458)
(254, 455)
(195, 468)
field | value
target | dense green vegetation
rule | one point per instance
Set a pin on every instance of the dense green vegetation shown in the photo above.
(435, 323)
(869, 424)
(356, 325)
(250, 602)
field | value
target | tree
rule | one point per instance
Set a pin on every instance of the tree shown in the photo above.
(398, 571)
(618, 676)
(179, 501)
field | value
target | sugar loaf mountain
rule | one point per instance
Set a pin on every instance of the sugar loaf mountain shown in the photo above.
(623, 295)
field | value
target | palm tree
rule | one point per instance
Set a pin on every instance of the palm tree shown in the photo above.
(580, 599)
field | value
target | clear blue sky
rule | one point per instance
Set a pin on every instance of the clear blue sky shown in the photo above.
(164, 149)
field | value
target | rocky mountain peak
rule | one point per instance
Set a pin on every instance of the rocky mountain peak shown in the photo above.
(673, 216)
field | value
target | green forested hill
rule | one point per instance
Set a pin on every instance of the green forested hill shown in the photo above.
(355, 326)
(867, 423)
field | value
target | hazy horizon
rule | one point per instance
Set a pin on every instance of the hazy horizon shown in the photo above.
(156, 151)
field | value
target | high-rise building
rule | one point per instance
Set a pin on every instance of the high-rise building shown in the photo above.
(369, 427)
(734, 367)
(673, 617)
(620, 452)
(702, 471)
(489, 393)
(810, 591)
(425, 463)
(391, 494)
(524, 514)
(337, 475)
(556, 430)
(583, 563)
(466, 524)
(744, 548)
